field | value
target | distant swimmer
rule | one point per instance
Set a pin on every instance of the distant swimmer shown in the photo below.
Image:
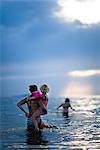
(66, 105)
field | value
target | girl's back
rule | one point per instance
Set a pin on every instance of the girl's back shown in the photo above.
(66, 106)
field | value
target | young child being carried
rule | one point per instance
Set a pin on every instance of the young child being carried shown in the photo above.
(41, 98)
(66, 107)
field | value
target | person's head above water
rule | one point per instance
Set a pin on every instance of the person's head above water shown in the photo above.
(44, 88)
(33, 88)
(67, 100)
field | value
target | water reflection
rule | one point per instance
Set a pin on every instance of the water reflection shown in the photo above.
(81, 130)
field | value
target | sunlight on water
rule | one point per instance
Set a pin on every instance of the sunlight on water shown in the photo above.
(80, 131)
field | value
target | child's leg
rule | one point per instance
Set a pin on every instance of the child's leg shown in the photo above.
(37, 113)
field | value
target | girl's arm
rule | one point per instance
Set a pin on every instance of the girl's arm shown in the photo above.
(72, 108)
(59, 106)
(33, 98)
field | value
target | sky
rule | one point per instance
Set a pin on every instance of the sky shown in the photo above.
(56, 42)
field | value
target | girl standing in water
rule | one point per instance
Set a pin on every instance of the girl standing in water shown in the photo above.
(66, 105)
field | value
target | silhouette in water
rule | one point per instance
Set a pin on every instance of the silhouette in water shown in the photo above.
(66, 105)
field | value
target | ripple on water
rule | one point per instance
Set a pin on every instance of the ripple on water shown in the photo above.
(80, 131)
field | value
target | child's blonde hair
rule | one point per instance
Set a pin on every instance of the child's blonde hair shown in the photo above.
(44, 88)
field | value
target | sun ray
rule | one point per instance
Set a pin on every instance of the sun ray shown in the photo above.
(76, 89)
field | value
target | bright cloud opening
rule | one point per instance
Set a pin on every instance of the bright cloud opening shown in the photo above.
(84, 73)
(79, 86)
(85, 11)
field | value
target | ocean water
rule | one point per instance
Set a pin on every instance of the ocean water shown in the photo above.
(81, 131)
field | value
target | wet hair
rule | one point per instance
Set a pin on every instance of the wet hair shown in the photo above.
(33, 88)
(67, 100)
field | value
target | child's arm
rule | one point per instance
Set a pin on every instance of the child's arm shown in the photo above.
(72, 108)
(33, 98)
(59, 106)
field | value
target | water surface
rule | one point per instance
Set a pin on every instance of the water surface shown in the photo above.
(80, 131)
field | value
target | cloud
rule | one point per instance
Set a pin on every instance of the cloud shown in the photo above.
(85, 11)
(31, 70)
(19, 31)
(84, 73)
(80, 84)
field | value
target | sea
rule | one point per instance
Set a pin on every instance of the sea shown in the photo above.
(79, 131)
